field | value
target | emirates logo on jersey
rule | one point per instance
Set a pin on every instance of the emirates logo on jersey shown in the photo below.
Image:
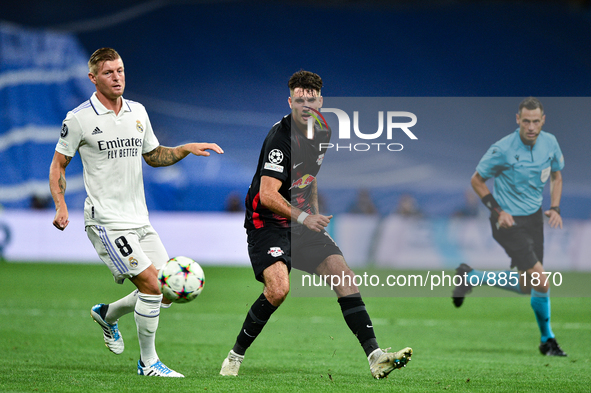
(139, 127)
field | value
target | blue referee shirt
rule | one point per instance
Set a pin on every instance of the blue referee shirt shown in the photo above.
(521, 171)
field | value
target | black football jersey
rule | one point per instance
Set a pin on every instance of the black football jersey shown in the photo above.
(291, 157)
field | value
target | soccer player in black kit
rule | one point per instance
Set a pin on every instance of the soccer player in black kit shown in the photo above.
(283, 221)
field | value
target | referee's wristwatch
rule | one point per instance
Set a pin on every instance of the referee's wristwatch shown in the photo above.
(555, 208)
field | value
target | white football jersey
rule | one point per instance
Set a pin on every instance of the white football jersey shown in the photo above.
(111, 148)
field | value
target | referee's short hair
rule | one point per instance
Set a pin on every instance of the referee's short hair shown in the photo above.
(100, 56)
(306, 80)
(531, 103)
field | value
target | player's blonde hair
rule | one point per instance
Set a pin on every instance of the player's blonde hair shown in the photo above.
(99, 57)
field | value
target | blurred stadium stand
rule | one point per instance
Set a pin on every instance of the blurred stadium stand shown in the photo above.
(217, 71)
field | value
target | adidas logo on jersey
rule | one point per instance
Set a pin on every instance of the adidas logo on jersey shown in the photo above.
(96, 131)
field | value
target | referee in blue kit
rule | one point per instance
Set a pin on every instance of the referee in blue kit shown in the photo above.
(521, 163)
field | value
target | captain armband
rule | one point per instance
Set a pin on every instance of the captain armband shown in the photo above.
(491, 203)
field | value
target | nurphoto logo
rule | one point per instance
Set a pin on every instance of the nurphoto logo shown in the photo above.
(394, 121)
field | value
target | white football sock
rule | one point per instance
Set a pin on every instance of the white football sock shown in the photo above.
(147, 312)
(121, 307)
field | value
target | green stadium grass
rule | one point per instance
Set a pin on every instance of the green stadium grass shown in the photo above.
(49, 343)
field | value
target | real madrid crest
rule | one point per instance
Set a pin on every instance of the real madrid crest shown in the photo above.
(138, 126)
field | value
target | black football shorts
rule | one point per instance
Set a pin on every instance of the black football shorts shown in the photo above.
(524, 241)
(305, 250)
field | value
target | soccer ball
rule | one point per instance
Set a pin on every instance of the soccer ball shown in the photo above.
(181, 279)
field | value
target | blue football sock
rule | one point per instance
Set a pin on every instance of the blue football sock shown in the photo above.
(540, 302)
(507, 279)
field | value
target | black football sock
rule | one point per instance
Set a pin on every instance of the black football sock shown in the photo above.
(255, 321)
(358, 321)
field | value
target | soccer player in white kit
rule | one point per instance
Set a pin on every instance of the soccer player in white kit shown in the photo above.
(112, 135)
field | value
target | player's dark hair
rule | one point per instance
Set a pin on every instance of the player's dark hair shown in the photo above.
(306, 80)
(100, 56)
(531, 103)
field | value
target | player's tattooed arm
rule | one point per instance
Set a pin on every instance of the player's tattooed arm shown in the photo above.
(57, 174)
(165, 156)
(62, 179)
(57, 187)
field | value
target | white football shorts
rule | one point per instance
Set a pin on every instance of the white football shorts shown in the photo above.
(127, 252)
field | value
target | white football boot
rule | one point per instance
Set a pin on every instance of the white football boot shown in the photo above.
(231, 364)
(111, 334)
(382, 363)
(157, 369)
